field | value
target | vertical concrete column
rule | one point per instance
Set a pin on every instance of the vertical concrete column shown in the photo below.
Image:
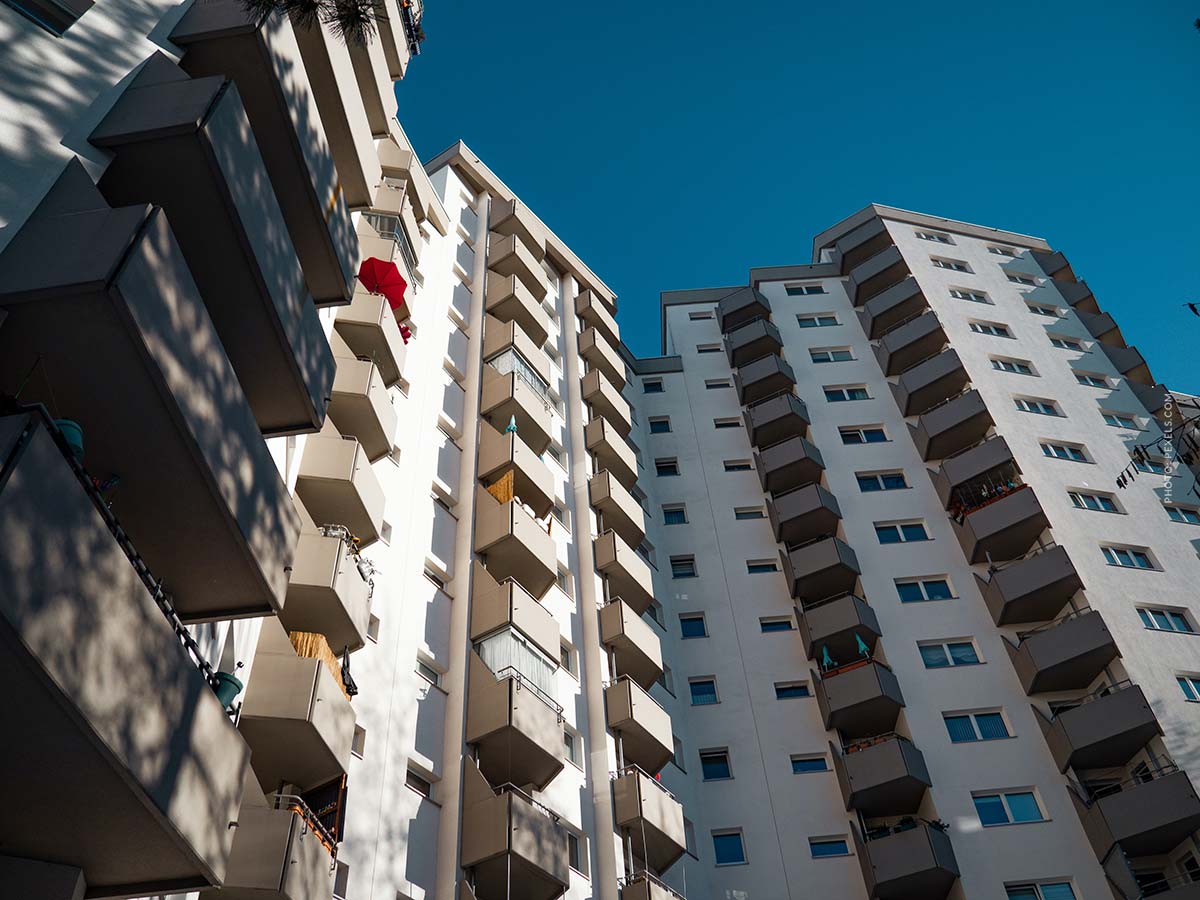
(454, 745)
(594, 658)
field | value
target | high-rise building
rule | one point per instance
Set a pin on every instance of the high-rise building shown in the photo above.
(323, 578)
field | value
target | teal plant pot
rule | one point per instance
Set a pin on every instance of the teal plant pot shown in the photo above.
(227, 688)
(73, 433)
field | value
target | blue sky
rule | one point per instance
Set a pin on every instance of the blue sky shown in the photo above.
(674, 145)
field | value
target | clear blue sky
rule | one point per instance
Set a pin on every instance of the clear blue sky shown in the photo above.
(675, 145)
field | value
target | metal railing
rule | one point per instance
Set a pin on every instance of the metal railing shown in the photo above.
(509, 788)
(1164, 883)
(924, 312)
(525, 682)
(873, 741)
(808, 606)
(1053, 623)
(947, 401)
(411, 13)
(1154, 768)
(834, 671)
(631, 769)
(966, 500)
(388, 226)
(1105, 690)
(626, 881)
(1036, 551)
(297, 806)
(908, 823)
(366, 569)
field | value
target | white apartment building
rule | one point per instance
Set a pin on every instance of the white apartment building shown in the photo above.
(308, 593)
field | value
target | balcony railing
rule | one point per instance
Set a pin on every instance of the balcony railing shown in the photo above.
(630, 883)
(968, 498)
(907, 823)
(1154, 768)
(311, 820)
(389, 227)
(523, 681)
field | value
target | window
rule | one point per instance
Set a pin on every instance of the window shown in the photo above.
(1183, 514)
(1035, 405)
(1065, 343)
(738, 465)
(880, 481)
(704, 691)
(429, 673)
(944, 654)
(54, 16)
(693, 626)
(726, 423)
(1151, 466)
(678, 756)
(817, 320)
(708, 348)
(1048, 890)
(652, 386)
(358, 743)
(791, 690)
(577, 857)
(965, 728)
(803, 765)
(936, 236)
(1038, 310)
(821, 847)
(373, 629)
(900, 532)
(804, 290)
(675, 515)
(1119, 420)
(863, 434)
(1007, 808)
(571, 746)
(973, 296)
(917, 590)
(716, 384)
(995, 329)
(666, 468)
(660, 425)
(341, 880)
(1087, 379)
(667, 680)
(1018, 278)
(954, 265)
(1072, 452)
(759, 566)
(683, 567)
(1190, 685)
(566, 658)
(728, 849)
(689, 837)
(1002, 251)
(841, 394)
(1165, 619)
(771, 626)
(831, 354)
(419, 784)
(1127, 557)
(698, 316)
(563, 580)
(714, 765)
(1019, 366)
(748, 512)
(1097, 502)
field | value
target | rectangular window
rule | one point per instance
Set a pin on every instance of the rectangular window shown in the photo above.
(973, 296)
(869, 482)
(1017, 366)
(1096, 502)
(804, 290)
(577, 857)
(900, 532)
(1065, 343)
(1087, 379)
(708, 348)
(726, 423)
(1190, 685)
(953, 265)
(863, 434)
(1018, 278)
(1128, 557)
(1046, 890)
(1119, 420)
(935, 236)
(1151, 466)
(822, 847)
(1165, 619)
(790, 690)
(683, 567)
(1007, 808)
(716, 384)
(738, 465)
(1183, 514)
(1073, 452)
(714, 764)
(698, 316)
(1002, 251)
(341, 881)
(358, 743)
(804, 765)
(429, 673)
(660, 425)
(1040, 406)
(817, 320)
(830, 354)
(844, 393)
(678, 757)
(571, 746)
(652, 386)
(966, 728)
(675, 514)
(944, 654)
(916, 590)
(566, 658)
(666, 468)
(759, 566)
(748, 512)
(1037, 309)
(419, 784)
(728, 849)
(771, 626)
(693, 626)
(703, 691)
(995, 329)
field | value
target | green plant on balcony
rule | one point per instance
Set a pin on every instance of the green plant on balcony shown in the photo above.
(356, 22)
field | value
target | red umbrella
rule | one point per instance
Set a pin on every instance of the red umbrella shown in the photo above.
(381, 277)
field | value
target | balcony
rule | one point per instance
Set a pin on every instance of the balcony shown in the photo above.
(338, 487)
(1001, 529)
(593, 311)
(860, 244)
(752, 341)
(296, 716)
(1068, 654)
(516, 728)
(788, 465)
(374, 81)
(612, 452)
(185, 145)
(820, 568)
(514, 544)
(498, 605)
(803, 514)
(632, 642)
(1033, 589)
(882, 776)
(911, 860)
(501, 337)
(906, 344)
(762, 378)
(601, 355)
(329, 593)
(621, 512)
(1078, 295)
(1153, 397)
(369, 329)
(104, 298)
(837, 624)
(510, 301)
(1129, 362)
(83, 638)
(889, 308)
(361, 407)
(644, 886)
(1148, 814)
(509, 395)
(930, 382)
(777, 419)
(508, 256)
(952, 426)
(859, 699)
(653, 817)
(504, 457)
(961, 473)
(263, 60)
(875, 275)
(1102, 327)
(514, 846)
(740, 307)
(627, 573)
(644, 726)
(512, 217)
(1106, 730)
(606, 400)
(1054, 264)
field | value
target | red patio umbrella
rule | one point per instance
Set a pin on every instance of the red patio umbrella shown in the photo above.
(381, 277)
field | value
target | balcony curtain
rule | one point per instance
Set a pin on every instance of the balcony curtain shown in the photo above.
(510, 649)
